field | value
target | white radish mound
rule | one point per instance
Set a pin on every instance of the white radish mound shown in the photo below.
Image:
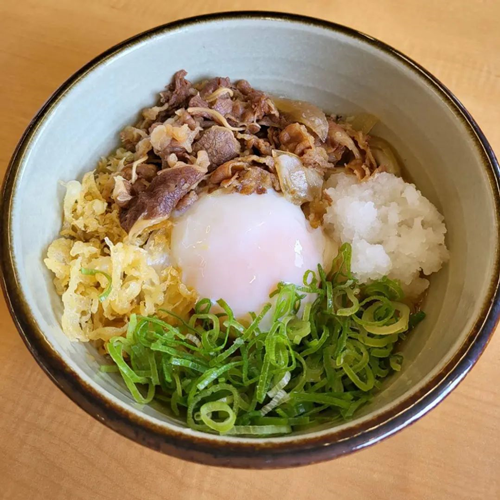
(393, 229)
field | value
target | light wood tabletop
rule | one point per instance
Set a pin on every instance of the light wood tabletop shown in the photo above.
(50, 449)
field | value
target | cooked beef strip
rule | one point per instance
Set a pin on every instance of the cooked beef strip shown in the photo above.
(130, 136)
(144, 171)
(296, 139)
(197, 102)
(252, 180)
(224, 105)
(185, 203)
(220, 145)
(210, 86)
(161, 196)
(178, 92)
(226, 170)
(256, 143)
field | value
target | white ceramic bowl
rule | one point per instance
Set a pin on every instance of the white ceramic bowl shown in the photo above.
(341, 71)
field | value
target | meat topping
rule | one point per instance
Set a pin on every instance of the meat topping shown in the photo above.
(235, 133)
(158, 201)
(220, 145)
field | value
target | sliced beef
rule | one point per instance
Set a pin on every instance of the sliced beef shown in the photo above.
(359, 168)
(198, 102)
(173, 148)
(252, 180)
(178, 92)
(130, 137)
(224, 105)
(237, 110)
(161, 197)
(316, 158)
(212, 85)
(185, 203)
(139, 186)
(259, 144)
(273, 136)
(120, 188)
(220, 145)
(237, 133)
(185, 118)
(122, 191)
(259, 103)
(334, 150)
(172, 137)
(362, 140)
(296, 139)
(144, 171)
(226, 170)
(339, 140)
(342, 138)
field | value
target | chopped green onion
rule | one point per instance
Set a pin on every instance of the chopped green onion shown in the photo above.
(280, 385)
(188, 364)
(109, 369)
(208, 409)
(331, 400)
(92, 272)
(396, 361)
(255, 323)
(304, 370)
(259, 430)
(415, 319)
(214, 373)
(277, 400)
(386, 287)
(398, 326)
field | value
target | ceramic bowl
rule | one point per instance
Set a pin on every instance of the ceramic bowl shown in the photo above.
(340, 70)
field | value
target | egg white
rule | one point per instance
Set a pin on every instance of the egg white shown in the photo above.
(238, 247)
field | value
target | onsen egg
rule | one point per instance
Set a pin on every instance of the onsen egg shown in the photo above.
(239, 247)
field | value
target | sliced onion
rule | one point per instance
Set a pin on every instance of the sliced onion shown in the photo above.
(303, 112)
(121, 191)
(73, 192)
(298, 183)
(217, 93)
(216, 116)
(363, 122)
(384, 155)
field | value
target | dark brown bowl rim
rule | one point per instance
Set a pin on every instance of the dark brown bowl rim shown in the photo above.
(302, 450)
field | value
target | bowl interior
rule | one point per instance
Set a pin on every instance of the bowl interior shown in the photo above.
(334, 70)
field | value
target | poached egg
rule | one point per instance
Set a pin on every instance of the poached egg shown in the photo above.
(239, 247)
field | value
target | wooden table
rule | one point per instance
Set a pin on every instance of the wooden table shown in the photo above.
(50, 449)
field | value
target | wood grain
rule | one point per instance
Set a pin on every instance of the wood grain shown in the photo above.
(50, 449)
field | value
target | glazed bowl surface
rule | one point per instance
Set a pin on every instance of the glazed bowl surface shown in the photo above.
(342, 71)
